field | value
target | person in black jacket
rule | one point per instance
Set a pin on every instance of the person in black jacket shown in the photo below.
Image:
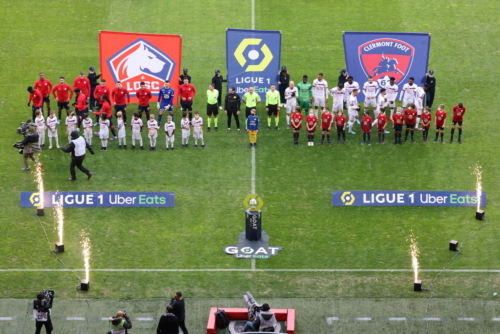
(168, 324)
(217, 80)
(77, 149)
(232, 108)
(430, 80)
(283, 83)
(41, 312)
(92, 76)
(342, 80)
(179, 310)
(31, 146)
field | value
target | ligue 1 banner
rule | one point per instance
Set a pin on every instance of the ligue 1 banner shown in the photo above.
(252, 59)
(407, 198)
(132, 58)
(386, 54)
(97, 199)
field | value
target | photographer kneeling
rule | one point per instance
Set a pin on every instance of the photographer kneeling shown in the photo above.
(265, 321)
(120, 323)
(30, 147)
(41, 311)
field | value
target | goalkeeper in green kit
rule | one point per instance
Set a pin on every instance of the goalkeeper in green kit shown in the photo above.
(305, 94)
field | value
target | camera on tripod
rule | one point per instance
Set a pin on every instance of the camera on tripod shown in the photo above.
(44, 300)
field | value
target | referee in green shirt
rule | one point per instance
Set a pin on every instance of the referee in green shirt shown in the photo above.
(212, 110)
(251, 100)
(273, 102)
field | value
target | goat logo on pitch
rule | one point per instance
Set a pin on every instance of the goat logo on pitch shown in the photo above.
(386, 57)
(141, 61)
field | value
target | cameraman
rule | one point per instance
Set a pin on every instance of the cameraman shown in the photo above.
(31, 146)
(120, 323)
(264, 321)
(41, 313)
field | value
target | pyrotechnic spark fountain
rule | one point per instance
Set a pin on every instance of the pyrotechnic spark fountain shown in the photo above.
(59, 217)
(479, 190)
(39, 180)
(414, 252)
(86, 258)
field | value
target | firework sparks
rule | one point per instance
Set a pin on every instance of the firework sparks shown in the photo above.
(86, 252)
(479, 188)
(59, 217)
(39, 180)
(414, 255)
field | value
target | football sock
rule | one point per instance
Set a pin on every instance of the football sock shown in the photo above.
(159, 118)
(202, 141)
(392, 112)
(209, 120)
(124, 116)
(323, 138)
(269, 121)
(287, 119)
(59, 114)
(338, 136)
(276, 120)
(298, 136)
(452, 133)
(216, 121)
(412, 134)
(190, 114)
(369, 137)
(327, 137)
(350, 125)
(406, 134)
(312, 138)
(442, 136)
(383, 136)
(459, 133)
(343, 135)
(418, 122)
(364, 137)
(113, 132)
(437, 134)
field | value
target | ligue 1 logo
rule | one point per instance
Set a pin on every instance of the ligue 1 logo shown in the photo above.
(141, 61)
(386, 57)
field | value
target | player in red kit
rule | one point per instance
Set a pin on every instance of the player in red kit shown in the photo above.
(397, 120)
(326, 125)
(105, 108)
(118, 95)
(426, 123)
(381, 124)
(80, 105)
(60, 93)
(340, 122)
(187, 92)
(440, 123)
(83, 83)
(366, 126)
(296, 125)
(410, 120)
(99, 91)
(311, 121)
(45, 87)
(37, 98)
(144, 95)
(458, 117)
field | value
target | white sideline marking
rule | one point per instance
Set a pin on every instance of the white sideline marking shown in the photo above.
(6, 318)
(466, 319)
(253, 16)
(104, 319)
(252, 179)
(495, 319)
(330, 320)
(144, 319)
(263, 270)
(75, 318)
(364, 319)
(397, 319)
(432, 319)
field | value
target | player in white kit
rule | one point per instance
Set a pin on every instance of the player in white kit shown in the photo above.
(338, 94)
(392, 94)
(71, 123)
(120, 124)
(291, 94)
(169, 132)
(371, 90)
(40, 127)
(136, 125)
(419, 103)
(353, 106)
(87, 128)
(197, 124)
(186, 130)
(320, 95)
(52, 123)
(152, 132)
(408, 92)
(104, 131)
(349, 86)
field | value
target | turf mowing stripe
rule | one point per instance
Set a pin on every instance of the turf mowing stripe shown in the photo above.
(261, 270)
(6, 318)
(364, 319)
(75, 318)
(397, 319)
(432, 319)
(330, 320)
(466, 319)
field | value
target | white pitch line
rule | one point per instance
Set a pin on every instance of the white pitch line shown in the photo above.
(262, 270)
(6, 318)
(432, 319)
(104, 319)
(397, 319)
(75, 318)
(330, 320)
(495, 319)
(144, 319)
(364, 319)
(252, 180)
(466, 319)
(253, 14)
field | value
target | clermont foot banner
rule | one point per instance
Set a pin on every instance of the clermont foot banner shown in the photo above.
(132, 58)
(252, 59)
(386, 54)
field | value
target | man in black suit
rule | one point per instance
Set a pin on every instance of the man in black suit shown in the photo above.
(168, 324)
(179, 310)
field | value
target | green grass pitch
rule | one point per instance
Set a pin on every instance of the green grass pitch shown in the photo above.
(61, 38)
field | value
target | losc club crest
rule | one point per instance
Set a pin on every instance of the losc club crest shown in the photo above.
(141, 61)
(386, 57)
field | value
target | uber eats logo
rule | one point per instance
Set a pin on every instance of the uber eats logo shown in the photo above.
(347, 198)
(255, 53)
